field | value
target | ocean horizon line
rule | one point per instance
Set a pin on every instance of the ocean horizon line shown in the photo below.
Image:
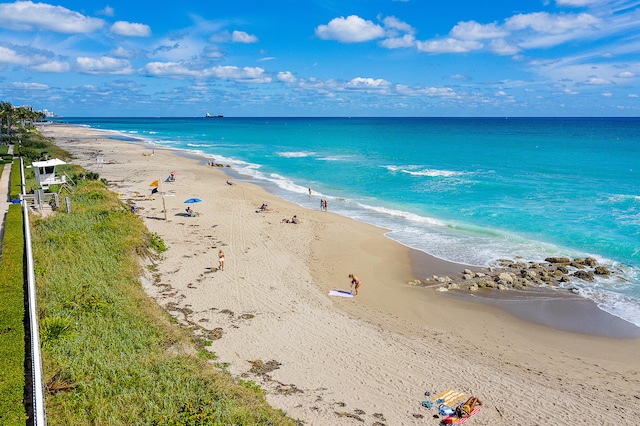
(497, 117)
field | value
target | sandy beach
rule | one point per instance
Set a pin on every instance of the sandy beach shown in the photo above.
(371, 358)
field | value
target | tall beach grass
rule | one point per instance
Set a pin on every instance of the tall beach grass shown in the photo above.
(111, 354)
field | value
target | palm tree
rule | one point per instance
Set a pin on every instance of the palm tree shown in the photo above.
(6, 114)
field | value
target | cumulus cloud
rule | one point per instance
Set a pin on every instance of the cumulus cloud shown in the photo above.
(180, 70)
(242, 37)
(448, 45)
(29, 16)
(352, 29)
(502, 47)
(392, 23)
(245, 74)
(407, 40)
(287, 77)
(367, 83)
(471, 30)
(168, 69)
(104, 65)
(52, 66)
(131, 29)
(626, 74)
(12, 57)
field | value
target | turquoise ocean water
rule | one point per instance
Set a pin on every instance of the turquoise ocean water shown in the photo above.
(470, 190)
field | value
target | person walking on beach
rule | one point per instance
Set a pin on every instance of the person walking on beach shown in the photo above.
(220, 260)
(354, 282)
(321, 204)
(324, 204)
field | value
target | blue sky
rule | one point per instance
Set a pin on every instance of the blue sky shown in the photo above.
(323, 57)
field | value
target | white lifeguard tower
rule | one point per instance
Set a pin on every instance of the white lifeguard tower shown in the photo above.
(46, 173)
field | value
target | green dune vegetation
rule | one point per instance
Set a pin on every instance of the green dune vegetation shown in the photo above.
(111, 355)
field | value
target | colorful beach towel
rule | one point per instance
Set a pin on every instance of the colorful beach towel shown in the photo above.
(454, 420)
(448, 398)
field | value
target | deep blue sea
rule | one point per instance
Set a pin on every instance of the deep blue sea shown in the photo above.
(471, 190)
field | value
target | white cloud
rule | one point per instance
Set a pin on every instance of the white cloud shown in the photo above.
(393, 23)
(287, 77)
(169, 69)
(546, 23)
(502, 47)
(107, 11)
(367, 83)
(459, 77)
(12, 57)
(448, 45)
(438, 92)
(626, 74)
(407, 40)
(596, 81)
(180, 70)
(242, 37)
(351, 29)
(52, 66)
(633, 95)
(472, 30)
(131, 29)
(121, 52)
(246, 74)
(29, 16)
(104, 65)
(607, 94)
(29, 86)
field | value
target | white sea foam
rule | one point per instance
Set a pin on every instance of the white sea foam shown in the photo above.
(295, 154)
(420, 171)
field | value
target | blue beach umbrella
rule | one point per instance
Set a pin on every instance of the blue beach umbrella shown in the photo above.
(192, 200)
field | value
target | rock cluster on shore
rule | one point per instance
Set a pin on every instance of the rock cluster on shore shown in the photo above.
(518, 275)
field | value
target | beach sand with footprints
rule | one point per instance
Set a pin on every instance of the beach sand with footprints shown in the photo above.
(347, 361)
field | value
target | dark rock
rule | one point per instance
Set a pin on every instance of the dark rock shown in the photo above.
(584, 275)
(563, 260)
(602, 270)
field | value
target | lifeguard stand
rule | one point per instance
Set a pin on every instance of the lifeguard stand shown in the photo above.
(46, 173)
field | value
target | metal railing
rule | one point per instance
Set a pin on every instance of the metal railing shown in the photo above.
(39, 415)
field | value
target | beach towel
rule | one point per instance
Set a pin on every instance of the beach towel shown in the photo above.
(454, 420)
(340, 293)
(448, 397)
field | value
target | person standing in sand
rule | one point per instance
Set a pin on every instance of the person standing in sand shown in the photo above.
(355, 282)
(220, 260)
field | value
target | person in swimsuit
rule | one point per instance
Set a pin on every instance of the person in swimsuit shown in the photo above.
(355, 282)
(221, 260)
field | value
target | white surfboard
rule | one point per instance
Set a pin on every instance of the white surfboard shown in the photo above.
(340, 293)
